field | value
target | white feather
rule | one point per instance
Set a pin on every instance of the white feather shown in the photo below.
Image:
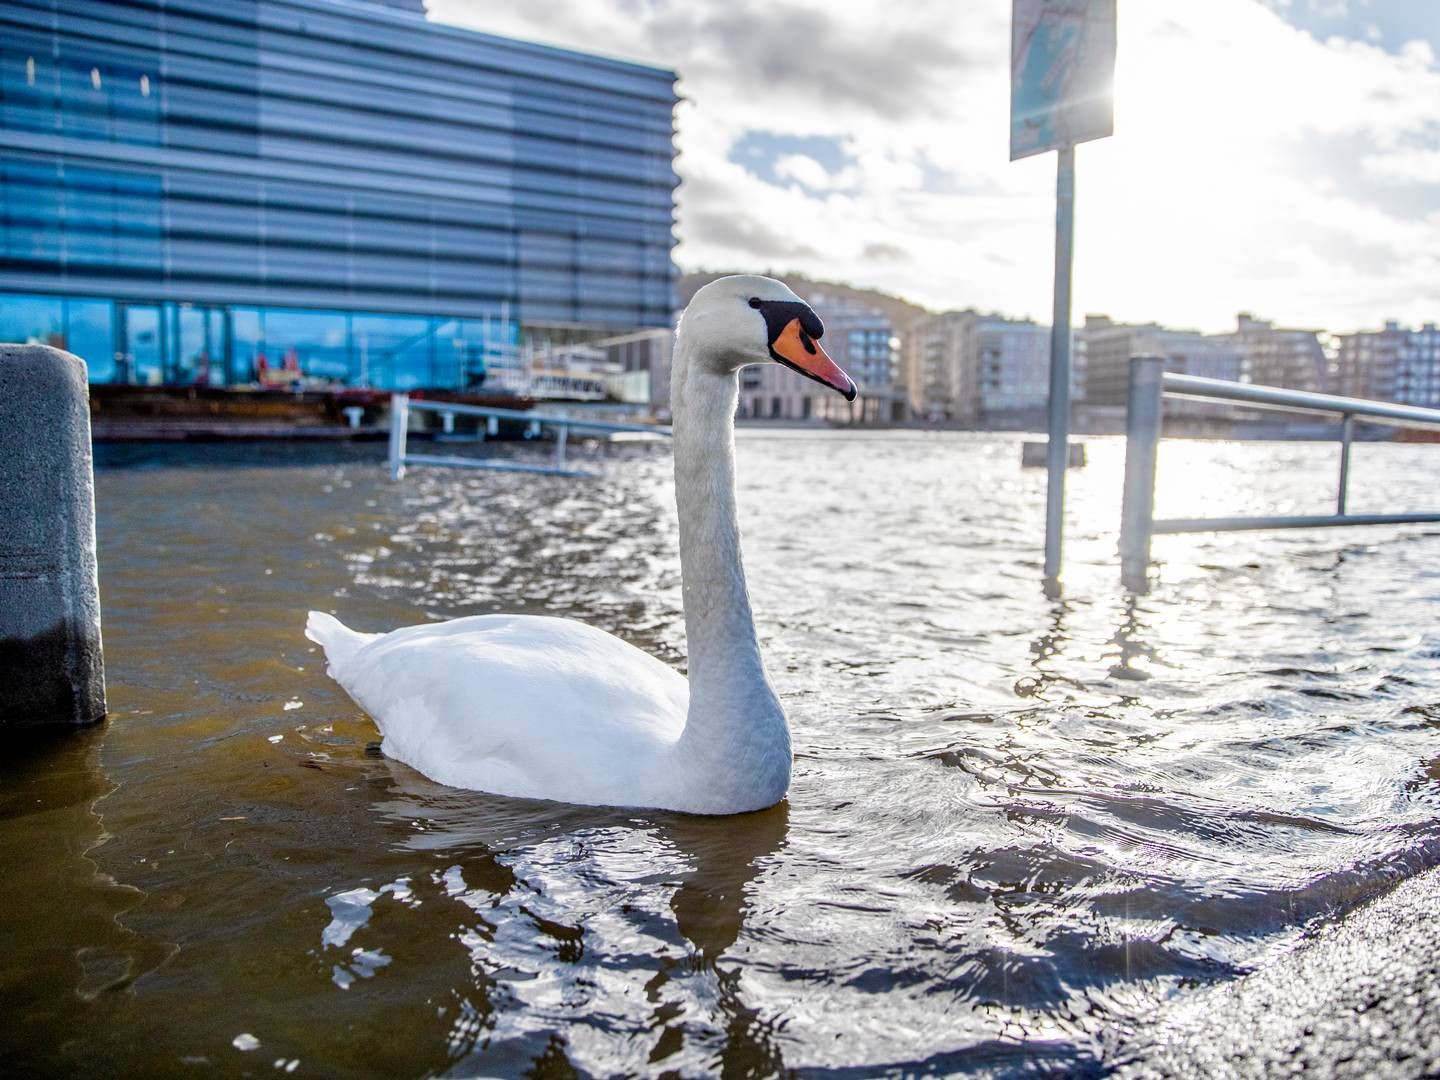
(554, 709)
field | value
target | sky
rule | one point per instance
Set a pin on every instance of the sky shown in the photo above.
(1280, 157)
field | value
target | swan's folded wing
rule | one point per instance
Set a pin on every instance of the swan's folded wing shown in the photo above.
(516, 704)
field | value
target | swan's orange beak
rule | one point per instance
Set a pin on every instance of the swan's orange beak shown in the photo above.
(796, 349)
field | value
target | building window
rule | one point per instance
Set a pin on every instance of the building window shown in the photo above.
(90, 335)
(303, 343)
(393, 351)
(32, 320)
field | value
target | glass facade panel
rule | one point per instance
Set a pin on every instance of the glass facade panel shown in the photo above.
(246, 345)
(142, 359)
(211, 345)
(393, 352)
(468, 351)
(33, 320)
(90, 335)
(198, 345)
(314, 343)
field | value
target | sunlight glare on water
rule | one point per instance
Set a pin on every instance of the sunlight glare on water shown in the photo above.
(1017, 825)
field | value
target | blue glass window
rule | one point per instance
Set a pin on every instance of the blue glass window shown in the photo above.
(310, 342)
(393, 351)
(246, 345)
(467, 351)
(90, 335)
(36, 320)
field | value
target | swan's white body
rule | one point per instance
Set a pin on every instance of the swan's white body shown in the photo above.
(554, 709)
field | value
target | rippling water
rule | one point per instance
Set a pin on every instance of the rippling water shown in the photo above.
(1018, 825)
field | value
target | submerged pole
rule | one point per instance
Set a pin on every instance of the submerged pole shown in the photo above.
(52, 671)
(399, 430)
(1143, 413)
(1058, 449)
(1347, 435)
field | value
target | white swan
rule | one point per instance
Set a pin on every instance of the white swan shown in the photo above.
(551, 708)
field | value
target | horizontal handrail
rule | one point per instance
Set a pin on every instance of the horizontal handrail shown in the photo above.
(454, 461)
(1150, 384)
(401, 405)
(1279, 397)
(533, 417)
(1303, 521)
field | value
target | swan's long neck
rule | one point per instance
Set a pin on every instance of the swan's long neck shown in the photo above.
(735, 721)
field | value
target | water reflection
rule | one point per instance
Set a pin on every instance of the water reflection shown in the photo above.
(601, 893)
(63, 938)
(1136, 653)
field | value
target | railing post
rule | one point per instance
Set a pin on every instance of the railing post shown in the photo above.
(1143, 411)
(560, 435)
(399, 429)
(1347, 432)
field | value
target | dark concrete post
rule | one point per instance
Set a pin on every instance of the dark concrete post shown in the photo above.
(51, 667)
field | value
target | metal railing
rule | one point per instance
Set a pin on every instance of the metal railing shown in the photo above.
(1150, 383)
(401, 406)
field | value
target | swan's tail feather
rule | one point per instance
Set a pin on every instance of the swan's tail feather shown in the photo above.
(337, 639)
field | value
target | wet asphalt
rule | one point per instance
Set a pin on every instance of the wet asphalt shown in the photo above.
(1360, 999)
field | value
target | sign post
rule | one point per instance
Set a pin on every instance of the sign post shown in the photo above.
(1062, 68)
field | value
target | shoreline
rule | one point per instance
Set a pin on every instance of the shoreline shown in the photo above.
(1359, 998)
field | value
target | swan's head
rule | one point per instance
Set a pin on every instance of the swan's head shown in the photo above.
(748, 319)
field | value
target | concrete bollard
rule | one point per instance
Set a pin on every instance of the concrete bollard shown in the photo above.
(52, 670)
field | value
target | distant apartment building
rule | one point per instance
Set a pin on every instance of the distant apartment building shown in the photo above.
(1393, 364)
(1007, 371)
(1109, 345)
(984, 370)
(862, 341)
(1275, 356)
(933, 350)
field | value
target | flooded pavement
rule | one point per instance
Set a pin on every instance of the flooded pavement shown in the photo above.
(1020, 827)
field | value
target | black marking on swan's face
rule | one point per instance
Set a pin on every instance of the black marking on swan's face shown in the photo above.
(779, 314)
(792, 333)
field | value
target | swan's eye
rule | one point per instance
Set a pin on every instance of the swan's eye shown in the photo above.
(754, 301)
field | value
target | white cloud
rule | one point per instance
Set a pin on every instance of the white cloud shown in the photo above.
(1253, 167)
(806, 171)
(1412, 165)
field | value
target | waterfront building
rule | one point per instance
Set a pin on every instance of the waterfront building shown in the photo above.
(862, 340)
(1393, 364)
(932, 350)
(1109, 346)
(1275, 356)
(1007, 372)
(986, 370)
(201, 193)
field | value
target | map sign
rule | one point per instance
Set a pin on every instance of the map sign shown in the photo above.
(1062, 67)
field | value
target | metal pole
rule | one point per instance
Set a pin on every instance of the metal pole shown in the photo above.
(1058, 450)
(399, 425)
(1142, 438)
(560, 434)
(1347, 432)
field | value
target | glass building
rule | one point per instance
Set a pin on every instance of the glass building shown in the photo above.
(209, 193)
